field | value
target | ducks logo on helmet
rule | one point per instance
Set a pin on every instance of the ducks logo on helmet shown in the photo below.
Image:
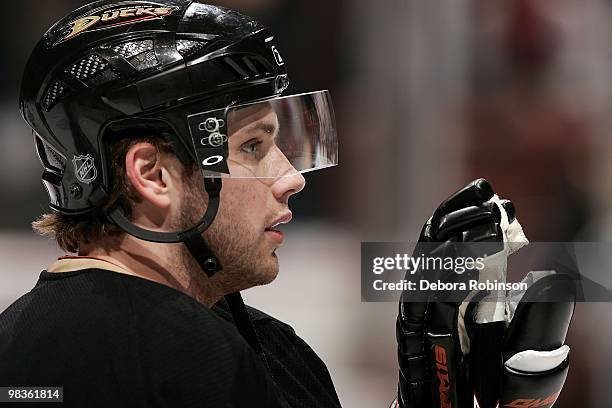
(116, 16)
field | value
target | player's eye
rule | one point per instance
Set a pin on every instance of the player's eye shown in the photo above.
(252, 147)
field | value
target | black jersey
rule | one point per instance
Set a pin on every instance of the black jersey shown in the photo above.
(115, 340)
(300, 374)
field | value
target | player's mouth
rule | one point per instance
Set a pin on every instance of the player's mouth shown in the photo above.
(272, 230)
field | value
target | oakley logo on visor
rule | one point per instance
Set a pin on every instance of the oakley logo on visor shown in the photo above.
(212, 160)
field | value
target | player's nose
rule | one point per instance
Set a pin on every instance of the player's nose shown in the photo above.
(288, 185)
(289, 180)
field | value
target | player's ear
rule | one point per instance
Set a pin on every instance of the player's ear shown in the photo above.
(148, 172)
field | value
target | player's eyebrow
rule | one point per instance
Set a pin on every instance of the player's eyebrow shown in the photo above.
(264, 126)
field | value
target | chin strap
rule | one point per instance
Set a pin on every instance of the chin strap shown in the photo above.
(213, 188)
(199, 249)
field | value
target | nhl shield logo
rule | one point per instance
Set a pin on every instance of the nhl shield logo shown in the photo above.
(84, 168)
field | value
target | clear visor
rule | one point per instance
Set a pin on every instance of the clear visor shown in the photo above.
(270, 139)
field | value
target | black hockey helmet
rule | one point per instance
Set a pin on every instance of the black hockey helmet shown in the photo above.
(111, 62)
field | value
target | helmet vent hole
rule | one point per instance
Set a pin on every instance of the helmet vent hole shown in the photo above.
(102, 77)
(132, 48)
(262, 66)
(250, 65)
(236, 68)
(189, 47)
(49, 157)
(88, 67)
(143, 61)
(55, 91)
(140, 54)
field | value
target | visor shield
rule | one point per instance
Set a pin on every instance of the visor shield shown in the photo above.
(267, 139)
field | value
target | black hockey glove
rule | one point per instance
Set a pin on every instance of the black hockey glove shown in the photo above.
(448, 353)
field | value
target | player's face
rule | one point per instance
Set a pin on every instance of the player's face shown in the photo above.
(244, 234)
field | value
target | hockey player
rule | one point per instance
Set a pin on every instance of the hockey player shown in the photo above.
(169, 158)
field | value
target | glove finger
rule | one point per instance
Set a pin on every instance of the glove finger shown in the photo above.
(453, 224)
(483, 240)
(475, 193)
(480, 236)
(491, 232)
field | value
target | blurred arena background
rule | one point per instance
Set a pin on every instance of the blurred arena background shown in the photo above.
(428, 96)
